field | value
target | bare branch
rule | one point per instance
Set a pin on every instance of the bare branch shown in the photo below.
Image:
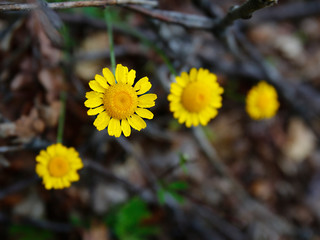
(18, 186)
(292, 11)
(241, 12)
(42, 224)
(97, 167)
(74, 4)
(187, 20)
(194, 21)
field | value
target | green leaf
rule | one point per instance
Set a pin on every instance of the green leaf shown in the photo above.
(183, 158)
(177, 197)
(127, 219)
(161, 196)
(29, 233)
(178, 185)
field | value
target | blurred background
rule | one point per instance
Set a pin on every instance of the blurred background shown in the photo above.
(234, 179)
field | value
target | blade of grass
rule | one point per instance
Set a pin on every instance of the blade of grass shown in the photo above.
(63, 98)
(108, 19)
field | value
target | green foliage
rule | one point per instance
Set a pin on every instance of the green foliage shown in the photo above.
(21, 232)
(68, 40)
(174, 125)
(126, 221)
(95, 12)
(209, 133)
(183, 158)
(231, 91)
(172, 189)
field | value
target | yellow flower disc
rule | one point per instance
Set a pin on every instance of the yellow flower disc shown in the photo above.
(195, 97)
(262, 101)
(58, 165)
(119, 103)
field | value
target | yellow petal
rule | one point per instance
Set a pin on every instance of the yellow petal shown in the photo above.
(181, 81)
(185, 76)
(108, 75)
(172, 97)
(114, 128)
(195, 119)
(40, 170)
(183, 117)
(93, 94)
(193, 74)
(203, 119)
(52, 151)
(48, 184)
(189, 122)
(176, 89)
(93, 102)
(136, 122)
(102, 121)
(147, 100)
(142, 86)
(95, 111)
(131, 77)
(74, 176)
(202, 74)
(101, 80)
(212, 77)
(95, 86)
(41, 158)
(121, 74)
(145, 113)
(125, 127)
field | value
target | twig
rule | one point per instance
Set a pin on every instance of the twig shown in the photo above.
(210, 152)
(97, 167)
(4, 149)
(220, 224)
(243, 11)
(172, 168)
(128, 147)
(217, 25)
(18, 186)
(74, 4)
(289, 11)
(42, 224)
(187, 20)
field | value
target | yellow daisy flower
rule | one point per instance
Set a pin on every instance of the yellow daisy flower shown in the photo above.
(195, 97)
(120, 105)
(58, 165)
(262, 101)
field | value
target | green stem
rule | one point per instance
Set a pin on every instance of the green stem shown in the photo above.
(63, 98)
(108, 19)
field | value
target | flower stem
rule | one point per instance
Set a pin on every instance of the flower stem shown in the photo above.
(108, 19)
(63, 98)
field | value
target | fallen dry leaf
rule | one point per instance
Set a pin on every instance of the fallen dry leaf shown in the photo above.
(300, 141)
(87, 69)
(96, 232)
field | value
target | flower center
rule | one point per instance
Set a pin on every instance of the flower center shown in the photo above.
(58, 167)
(263, 101)
(195, 97)
(120, 101)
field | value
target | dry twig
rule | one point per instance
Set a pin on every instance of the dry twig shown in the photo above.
(74, 4)
(187, 20)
